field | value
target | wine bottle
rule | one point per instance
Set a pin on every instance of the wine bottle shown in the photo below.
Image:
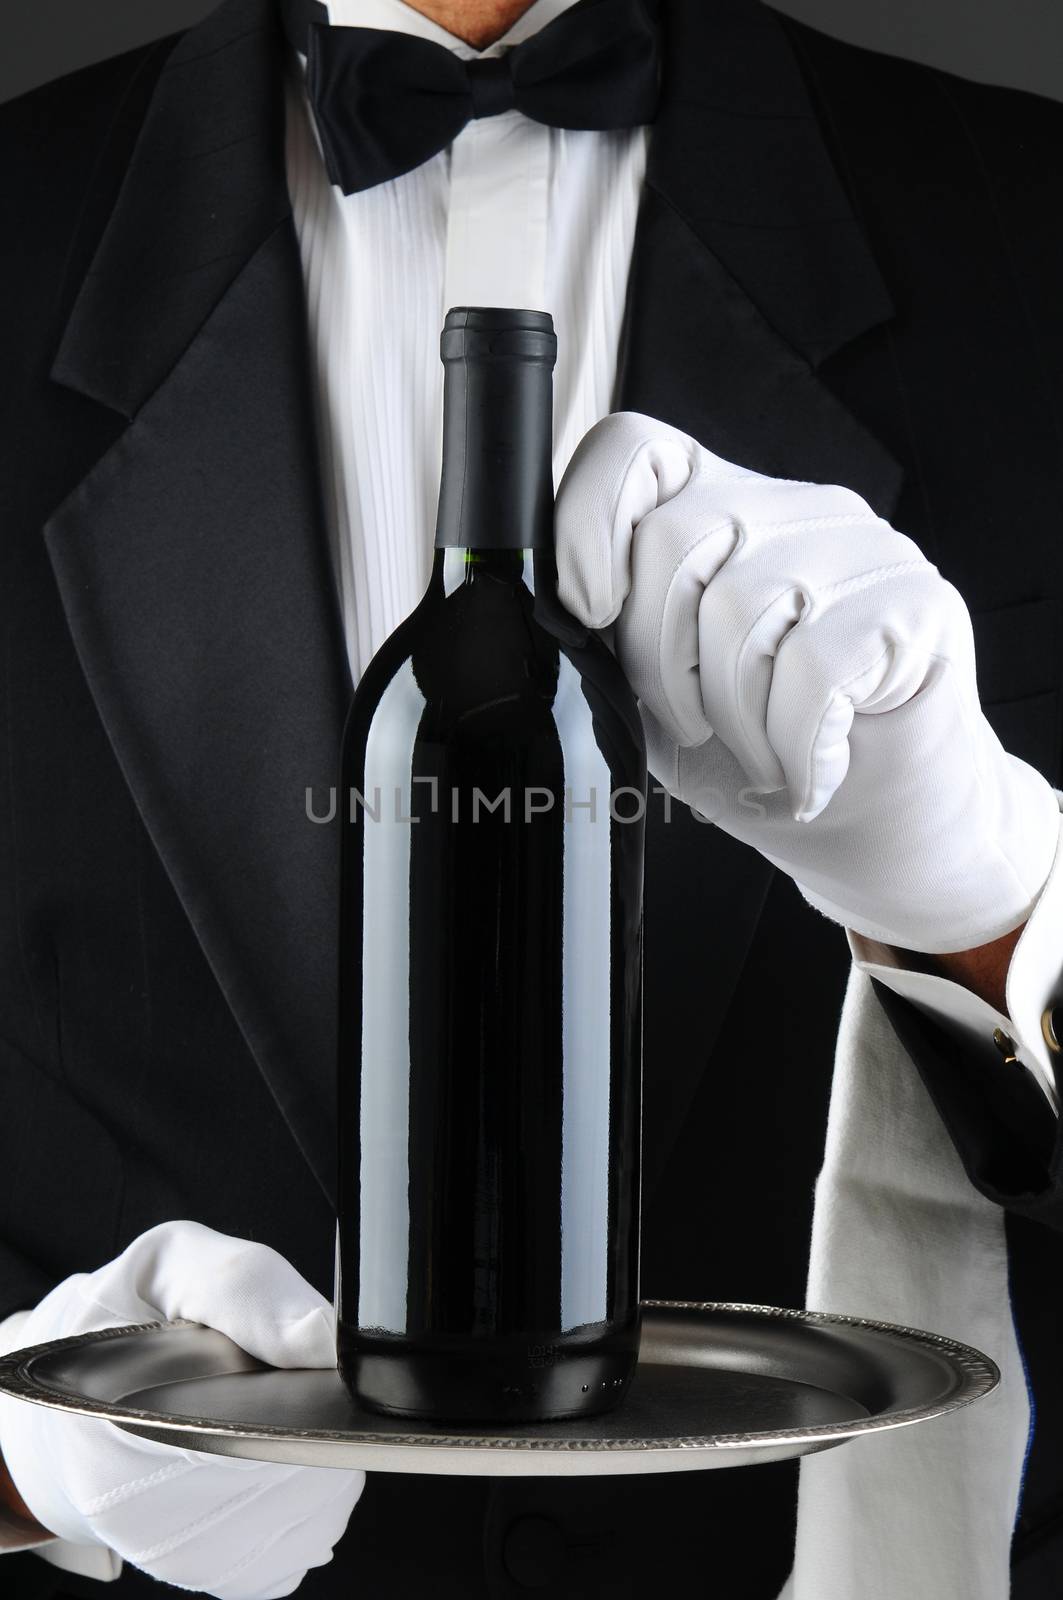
(493, 783)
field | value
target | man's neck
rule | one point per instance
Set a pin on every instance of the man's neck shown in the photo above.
(478, 22)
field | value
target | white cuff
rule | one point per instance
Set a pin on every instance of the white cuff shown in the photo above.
(1034, 983)
(86, 1560)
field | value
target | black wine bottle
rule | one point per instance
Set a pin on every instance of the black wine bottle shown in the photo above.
(493, 783)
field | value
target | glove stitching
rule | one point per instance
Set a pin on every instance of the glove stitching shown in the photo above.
(217, 1513)
(136, 1486)
(865, 580)
(837, 519)
(275, 1537)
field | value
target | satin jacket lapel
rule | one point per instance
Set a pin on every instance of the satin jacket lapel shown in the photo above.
(749, 267)
(749, 271)
(192, 560)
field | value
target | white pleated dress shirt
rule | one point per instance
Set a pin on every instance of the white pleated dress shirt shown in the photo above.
(516, 214)
(511, 214)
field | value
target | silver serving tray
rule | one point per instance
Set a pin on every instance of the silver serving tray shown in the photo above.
(716, 1386)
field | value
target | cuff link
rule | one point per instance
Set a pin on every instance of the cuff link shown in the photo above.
(1007, 1046)
(1048, 1028)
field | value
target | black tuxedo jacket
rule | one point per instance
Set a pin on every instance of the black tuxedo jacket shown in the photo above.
(847, 268)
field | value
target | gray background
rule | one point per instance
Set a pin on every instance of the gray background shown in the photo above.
(1017, 42)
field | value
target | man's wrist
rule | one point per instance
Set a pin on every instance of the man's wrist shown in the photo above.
(15, 1510)
(983, 969)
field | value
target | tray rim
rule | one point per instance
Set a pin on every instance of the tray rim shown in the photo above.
(976, 1375)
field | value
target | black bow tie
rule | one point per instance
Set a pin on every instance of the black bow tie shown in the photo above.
(385, 103)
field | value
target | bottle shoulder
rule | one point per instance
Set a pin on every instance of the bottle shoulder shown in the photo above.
(479, 663)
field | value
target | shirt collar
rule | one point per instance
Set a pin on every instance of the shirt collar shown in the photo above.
(397, 17)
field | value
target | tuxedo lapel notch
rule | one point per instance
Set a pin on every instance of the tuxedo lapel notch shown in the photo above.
(192, 560)
(204, 187)
(740, 153)
(750, 268)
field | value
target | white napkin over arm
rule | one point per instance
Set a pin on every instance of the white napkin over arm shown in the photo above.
(901, 1233)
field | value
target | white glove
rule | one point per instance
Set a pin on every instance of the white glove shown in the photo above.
(233, 1528)
(807, 681)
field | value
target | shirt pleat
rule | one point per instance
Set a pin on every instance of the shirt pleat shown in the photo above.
(512, 214)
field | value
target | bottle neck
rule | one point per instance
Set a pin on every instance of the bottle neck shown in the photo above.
(456, 568)
(496, 491)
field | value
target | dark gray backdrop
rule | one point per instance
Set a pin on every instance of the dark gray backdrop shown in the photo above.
(1017, 42)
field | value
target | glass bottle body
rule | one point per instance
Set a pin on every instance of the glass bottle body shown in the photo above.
(492, 805)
